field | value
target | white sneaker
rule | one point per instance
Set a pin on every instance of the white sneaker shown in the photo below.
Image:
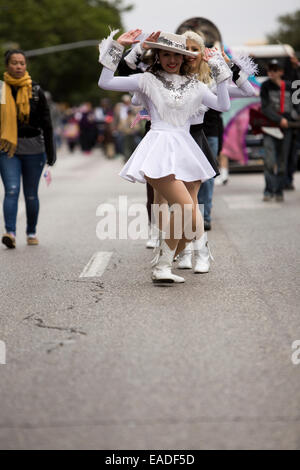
(202, 255)
(152, 243)
(223, 177)
(162, 272)
(185, 257)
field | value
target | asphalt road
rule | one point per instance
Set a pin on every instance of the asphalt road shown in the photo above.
(114, 362)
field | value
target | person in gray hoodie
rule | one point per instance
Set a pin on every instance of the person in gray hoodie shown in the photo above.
(277, 106)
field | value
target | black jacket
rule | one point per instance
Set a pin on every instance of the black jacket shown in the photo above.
(270, 101)
(39, 121)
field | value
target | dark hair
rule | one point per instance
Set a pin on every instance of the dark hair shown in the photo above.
(155, 66)
(275, 65)
(11, 52)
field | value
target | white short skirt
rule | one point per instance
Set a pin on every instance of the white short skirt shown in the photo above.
(165, 152)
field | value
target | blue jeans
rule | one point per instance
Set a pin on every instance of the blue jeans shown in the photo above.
(205, 195)
(292, 160)
(276, 156)
(30, 167)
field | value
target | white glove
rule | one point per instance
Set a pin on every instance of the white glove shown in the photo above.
(110, 52)
(219, 69)
(134, 56)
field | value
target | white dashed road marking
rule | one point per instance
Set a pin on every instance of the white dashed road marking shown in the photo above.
(97, 264)
(100, 261)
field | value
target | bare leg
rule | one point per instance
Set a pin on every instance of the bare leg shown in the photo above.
(175, 192)
(193, 189)
(224, 170)
(224, 161)
(161, 216)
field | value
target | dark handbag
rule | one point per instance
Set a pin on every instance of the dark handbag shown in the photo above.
(259, 120)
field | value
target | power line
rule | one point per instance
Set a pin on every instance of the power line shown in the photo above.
(62, 47)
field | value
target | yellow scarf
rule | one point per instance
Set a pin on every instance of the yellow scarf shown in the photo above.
(13, 110)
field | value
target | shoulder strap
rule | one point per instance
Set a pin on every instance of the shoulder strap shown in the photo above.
(282, 96)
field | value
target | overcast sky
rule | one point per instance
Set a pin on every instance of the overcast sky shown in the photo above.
(239, 21)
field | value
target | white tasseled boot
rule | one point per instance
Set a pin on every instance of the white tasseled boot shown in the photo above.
(162, 272)
(202, 255)
(185, 257)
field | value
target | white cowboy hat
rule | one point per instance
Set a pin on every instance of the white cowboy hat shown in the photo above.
(171, 42)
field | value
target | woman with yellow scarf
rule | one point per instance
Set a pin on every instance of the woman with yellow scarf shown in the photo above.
(26, 144)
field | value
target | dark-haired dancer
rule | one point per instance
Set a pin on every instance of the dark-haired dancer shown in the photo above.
(168, 157)
(26, 144)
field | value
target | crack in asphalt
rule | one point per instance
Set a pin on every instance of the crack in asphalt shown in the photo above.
(40, 324)
(61, 344)
(97, 296)
(94, 287)
(87, 281)
(98, 284)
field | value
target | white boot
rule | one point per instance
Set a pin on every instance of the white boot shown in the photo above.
(162, 272)
(223, 177)
(153, 238)
(202, 255)
(185, 257)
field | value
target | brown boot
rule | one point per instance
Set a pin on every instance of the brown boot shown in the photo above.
(32, 241)
(9, 240)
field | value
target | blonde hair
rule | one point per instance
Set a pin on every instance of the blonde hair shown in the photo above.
(203, 72)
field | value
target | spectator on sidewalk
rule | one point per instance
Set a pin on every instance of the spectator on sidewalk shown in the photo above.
(26, 144)
(88, 129)
(120, 115)
(71, 130)
(104, 115)
(56, 118)
(132, 135)
(276, 100)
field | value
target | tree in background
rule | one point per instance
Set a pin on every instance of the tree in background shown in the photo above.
(289, 31)
(70, 76)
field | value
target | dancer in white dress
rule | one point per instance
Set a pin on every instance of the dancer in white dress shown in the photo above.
(168, 157)
(242, 67)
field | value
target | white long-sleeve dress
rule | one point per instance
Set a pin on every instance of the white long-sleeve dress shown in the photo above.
(173, 101)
